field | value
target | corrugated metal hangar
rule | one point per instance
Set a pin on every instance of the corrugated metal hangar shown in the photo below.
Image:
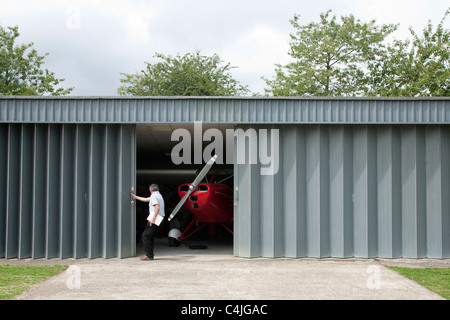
(354, 177)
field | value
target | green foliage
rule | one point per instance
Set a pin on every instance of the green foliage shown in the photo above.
(20, 68)
(330, 57)
(350, 58)
(188, 75)
(16, 279)
(417, 67)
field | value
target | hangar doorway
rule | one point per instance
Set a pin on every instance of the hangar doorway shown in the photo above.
(154, 164)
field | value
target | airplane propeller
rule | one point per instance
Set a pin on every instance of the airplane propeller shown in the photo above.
(193, 186)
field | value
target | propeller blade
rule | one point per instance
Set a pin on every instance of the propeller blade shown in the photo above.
(179, 205)
(204, 171)
(193, 186)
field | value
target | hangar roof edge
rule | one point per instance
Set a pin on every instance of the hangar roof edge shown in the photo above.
(222, 98)
(229, 110)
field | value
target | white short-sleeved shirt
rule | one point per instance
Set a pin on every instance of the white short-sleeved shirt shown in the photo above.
(156, 198)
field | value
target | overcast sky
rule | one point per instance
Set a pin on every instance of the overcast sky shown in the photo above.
(92, 42)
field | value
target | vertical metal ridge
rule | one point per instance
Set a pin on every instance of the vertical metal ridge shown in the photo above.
(91, 243)
(95, 188)
(341, 191)
(272, 208)
(248, 210)
(76, 195)
(66, 192)
(126, 168)
(24, 211)
(104, 190)
(52, 188)
(318, 191)
(413, 192)
(389, 192)
(119, 195)
(294, 177)
(365, 206)
(4, 129)
(13, 191)
(39, 197)
(110, 209)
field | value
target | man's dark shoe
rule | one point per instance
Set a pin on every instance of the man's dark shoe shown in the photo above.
(145, 258)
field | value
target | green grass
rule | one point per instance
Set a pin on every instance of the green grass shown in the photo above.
(15, 279)
(434, 279)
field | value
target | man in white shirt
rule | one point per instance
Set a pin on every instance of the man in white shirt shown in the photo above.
(155, 217)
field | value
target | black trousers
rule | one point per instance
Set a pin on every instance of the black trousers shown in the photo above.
(148, 238)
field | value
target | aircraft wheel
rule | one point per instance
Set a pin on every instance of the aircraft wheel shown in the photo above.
(173, 242)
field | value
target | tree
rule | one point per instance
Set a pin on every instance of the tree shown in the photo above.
(330, 57)
(20, 68)
(417, 67)
(188, 75)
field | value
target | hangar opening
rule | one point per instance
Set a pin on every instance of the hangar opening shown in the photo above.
(205, 220)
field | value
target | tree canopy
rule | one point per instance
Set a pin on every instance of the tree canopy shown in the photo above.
(417, 67)
(21, 71)
(189, 75)
(329, 57)
(349, 58)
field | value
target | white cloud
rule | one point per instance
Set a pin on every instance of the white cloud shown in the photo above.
(265, 44)
(413, 13)
(255, 53)
(134, 16)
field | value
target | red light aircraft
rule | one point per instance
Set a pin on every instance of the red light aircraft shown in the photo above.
(209, 203)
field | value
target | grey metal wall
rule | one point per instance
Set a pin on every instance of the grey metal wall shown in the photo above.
(64, 190)
(358, 177)
(348, 191)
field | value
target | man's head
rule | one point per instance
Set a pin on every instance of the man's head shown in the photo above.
(153, 187)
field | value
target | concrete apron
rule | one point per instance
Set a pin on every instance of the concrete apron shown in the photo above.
(201, 275)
